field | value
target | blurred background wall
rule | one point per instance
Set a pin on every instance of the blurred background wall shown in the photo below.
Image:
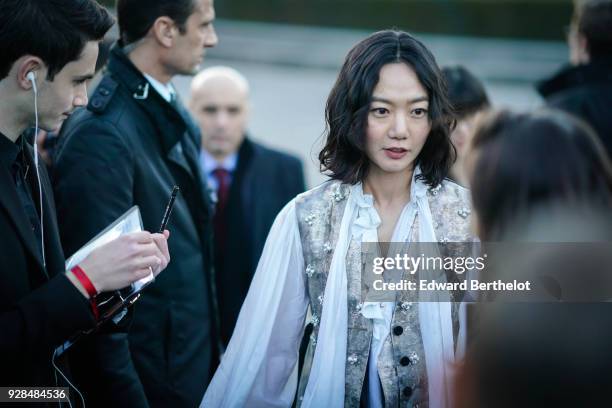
(291, 52)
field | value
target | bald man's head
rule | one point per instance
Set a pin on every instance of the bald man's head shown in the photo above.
(219, 103)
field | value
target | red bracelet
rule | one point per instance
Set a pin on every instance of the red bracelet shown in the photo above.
(79, 273)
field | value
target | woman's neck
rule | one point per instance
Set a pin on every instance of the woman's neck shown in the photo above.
(388, 188)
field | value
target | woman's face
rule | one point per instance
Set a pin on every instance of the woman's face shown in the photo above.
(398, 121)
(463, 133)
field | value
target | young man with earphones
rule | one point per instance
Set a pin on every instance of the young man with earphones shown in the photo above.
(49, 50)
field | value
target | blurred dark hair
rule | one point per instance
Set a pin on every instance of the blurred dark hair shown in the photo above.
(466, 93)
(523, 160)
(103, 53)
(344, 155)
(594, 21)
(56, 31)
(136, 17)
(538, 355)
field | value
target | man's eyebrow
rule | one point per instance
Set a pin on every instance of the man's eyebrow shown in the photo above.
(83, 77)
(413, 100)
(209, 19)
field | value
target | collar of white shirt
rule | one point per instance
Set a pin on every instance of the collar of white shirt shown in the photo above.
(209, 163)
(165, 90)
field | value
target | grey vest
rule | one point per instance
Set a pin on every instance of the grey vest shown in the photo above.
(401, 363)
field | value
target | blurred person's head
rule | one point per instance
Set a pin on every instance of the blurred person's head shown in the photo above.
(103, 56)
(56, 41)
(553, 337)
(518, 161)
(469, 99)
(219, 103)
(590, 31)
(388, 112)
(555, 341)
(168, 37)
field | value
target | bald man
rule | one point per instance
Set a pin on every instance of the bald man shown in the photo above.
(252, 183)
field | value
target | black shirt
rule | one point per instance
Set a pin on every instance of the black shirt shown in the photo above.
(13, 156)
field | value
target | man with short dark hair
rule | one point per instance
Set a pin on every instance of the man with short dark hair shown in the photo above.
(139, 141)
(585, 87)
(49, 49)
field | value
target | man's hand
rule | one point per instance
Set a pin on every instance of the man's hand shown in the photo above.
(125, 260)
(161, 240)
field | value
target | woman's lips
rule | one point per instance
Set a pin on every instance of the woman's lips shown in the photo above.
(395, 153)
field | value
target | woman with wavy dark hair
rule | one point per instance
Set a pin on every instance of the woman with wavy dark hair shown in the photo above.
(387, 153)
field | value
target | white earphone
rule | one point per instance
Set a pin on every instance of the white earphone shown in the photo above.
(31, 76)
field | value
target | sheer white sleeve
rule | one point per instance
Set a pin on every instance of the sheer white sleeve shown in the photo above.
(259, 367)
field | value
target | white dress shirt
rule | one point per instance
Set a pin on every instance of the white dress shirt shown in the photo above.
(165, 90)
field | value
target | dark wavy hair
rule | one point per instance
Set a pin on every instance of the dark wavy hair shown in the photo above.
(346, 113)
(523, 161)
(466, 93)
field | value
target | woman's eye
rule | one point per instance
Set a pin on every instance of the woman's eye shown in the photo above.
(380, 111)
(419, 112)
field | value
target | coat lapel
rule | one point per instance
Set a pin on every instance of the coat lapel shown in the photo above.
(243, 183)
(10, 201)
(176, 155)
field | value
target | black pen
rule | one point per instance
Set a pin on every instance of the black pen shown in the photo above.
(166, 217)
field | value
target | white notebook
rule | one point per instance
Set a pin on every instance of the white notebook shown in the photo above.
(129, 222)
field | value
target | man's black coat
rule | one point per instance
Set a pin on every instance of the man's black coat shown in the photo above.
(263, 182)
(584, 91)
(130, 147)
(39, 308)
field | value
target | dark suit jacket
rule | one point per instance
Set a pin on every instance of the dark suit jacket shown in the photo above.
(129, 147)
(584, 91)
(263, 182)
(39, 307)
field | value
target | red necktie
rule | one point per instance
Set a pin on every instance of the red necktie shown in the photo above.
(220, 224)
